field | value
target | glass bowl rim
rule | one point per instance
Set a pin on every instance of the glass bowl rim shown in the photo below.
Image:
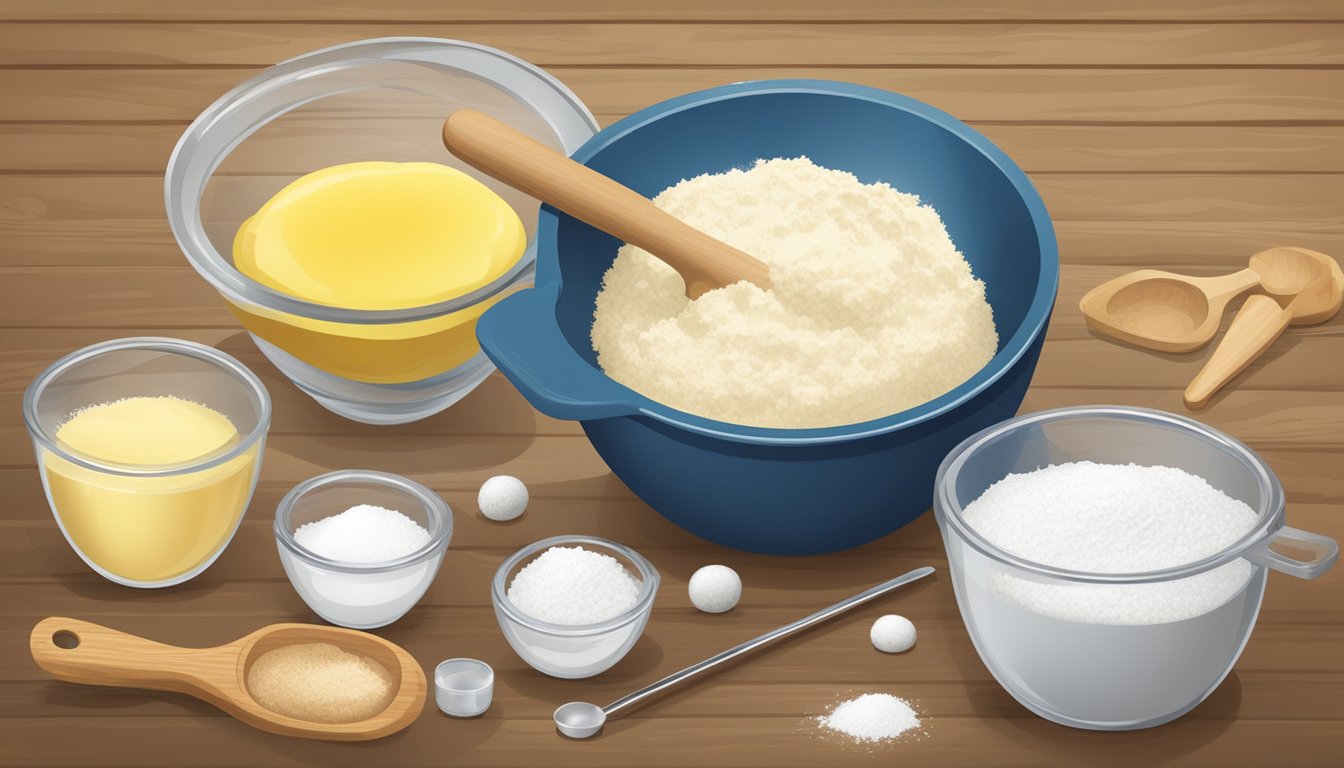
(184, 218)
(648, 587)
(227, 363)
(440, 514)
(948, 511)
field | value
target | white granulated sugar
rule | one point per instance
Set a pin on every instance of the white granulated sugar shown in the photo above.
(872, 717)
(573, 585)
(363, 534)
(715, 588)
(502, 498)
(892, 634)
(1114, 518)
(872, 309)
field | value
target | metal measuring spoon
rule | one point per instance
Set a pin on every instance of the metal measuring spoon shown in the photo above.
(581, 720)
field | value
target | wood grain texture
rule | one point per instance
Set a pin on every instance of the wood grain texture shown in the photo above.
(1003, 94)
(699, 45)
(1169, 134)
(656, 12)
(141, 149)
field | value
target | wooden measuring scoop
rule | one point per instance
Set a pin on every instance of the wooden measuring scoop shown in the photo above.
(82, 652)
(1170, 312)
(534, 168)
(1317, 289)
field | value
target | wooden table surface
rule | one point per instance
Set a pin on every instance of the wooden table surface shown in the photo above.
(1183, 134)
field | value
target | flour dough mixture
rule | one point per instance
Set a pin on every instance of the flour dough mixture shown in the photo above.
(873, 310)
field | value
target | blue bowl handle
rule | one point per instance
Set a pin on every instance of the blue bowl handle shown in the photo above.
(521, 335)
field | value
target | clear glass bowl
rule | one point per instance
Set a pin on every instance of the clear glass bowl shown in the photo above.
(381, 99)
(573, 651)
(361, 595)
(148, 525)
(1114, 651)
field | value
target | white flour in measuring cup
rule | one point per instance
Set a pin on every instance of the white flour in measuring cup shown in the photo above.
(1111, 654)
(1113, 518)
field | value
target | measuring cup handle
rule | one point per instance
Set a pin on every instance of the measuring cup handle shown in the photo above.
(83, 652)
(1325, 551)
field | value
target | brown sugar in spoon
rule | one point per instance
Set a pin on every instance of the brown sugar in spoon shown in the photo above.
(82, 652)
(1170, 312)
(534, 168)
(1317, 290)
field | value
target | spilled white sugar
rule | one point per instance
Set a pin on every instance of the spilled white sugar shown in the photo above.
(1113, 518)
(573, 585)
(363, 534)
(872, 717)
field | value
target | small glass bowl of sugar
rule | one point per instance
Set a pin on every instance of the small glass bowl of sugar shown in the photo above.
(573, 606)
(361, 547)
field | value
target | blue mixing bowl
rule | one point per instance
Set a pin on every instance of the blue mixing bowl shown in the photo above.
(784, 491)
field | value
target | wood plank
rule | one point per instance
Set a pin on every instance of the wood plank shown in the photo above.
(37, 556)
(672, 640)
(36, 552)
(1310, 419)
(176, 296)
(700, 45)
(998, 93)
(289, 146)
(499, 739)
(398, 11)
(31, 240)
(1260, 694)
(1132, 219)
(566, 466)
(1303, 364)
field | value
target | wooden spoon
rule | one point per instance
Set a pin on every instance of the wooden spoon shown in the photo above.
(534, 168)
(1170, 312)
(81, 652)
(1319, 294)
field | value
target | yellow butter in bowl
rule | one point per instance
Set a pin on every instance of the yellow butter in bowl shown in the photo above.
(157, 527)
(378, 236)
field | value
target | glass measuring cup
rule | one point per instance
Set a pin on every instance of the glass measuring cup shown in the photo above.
(148, 525)
(1110, 651)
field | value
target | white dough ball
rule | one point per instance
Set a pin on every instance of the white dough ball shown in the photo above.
(892, 634)
(715, 588)
(502, 497)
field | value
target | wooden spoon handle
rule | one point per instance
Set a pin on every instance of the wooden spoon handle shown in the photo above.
(82, 652)
(532, 167)
(1258, 323)
(1221, 289)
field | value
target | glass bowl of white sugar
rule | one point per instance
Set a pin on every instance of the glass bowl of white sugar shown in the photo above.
(573, 606)
(1109, 562)
(361, 547)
